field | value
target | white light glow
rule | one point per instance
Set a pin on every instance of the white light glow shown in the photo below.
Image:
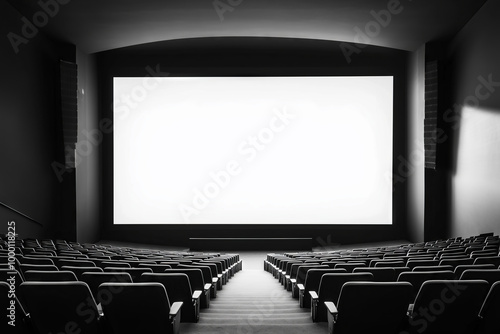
(253, 150)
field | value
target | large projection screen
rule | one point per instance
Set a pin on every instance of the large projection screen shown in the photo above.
(253, 150)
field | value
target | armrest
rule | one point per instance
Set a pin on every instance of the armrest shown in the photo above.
(99, 310)
(301, 287)
(293, 280)
(207, 286)
(196, 294)
(175, 308)
(313, 294)
(215, 279)
(287, 277)
(410, 310)
(330, 306)
(219, 275)
(331, 313)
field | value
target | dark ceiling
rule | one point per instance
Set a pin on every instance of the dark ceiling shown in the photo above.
(99, 25)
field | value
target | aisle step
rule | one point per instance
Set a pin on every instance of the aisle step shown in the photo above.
(254, 302)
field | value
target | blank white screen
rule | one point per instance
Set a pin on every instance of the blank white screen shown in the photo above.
(253, 150)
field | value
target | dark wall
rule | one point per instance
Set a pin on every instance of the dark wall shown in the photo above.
(252, 57)
(472, 120)
(88, 181)
(416, 172)
(30, 128)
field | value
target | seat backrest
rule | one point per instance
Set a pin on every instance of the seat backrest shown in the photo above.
(372, 307)
(454, 256)
(41, 251)
(417, 278)
(302, 271)
(137, 263)
(26, 267)
(490, 310)
(453, 306)
(419, 256)
(194, 274)
(331, 284)
(399, 262)
(80, 270)
(483, 253)
(331, 264)
(212, 266)
(135, 273)
(288, 266)
(56, 307)
(456, 262)
(98, 261)
(380, 274)
(171, 263)
(115, 264)
(94, 279)
(218, 263)
(417, 262)
(349, 267)
(136, 307)
(177, 285)
(222, 260)
(295, 268)
(433, 268)
(156, 268)
(460, 269)
(489, 275)
(35, 260)
(389, 264)
(75, 263)
(494, 260)
(205, 270)
(178, 290)
(400, 270)
(50, 276)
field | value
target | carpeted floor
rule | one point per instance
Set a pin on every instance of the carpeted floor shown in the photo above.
(253, 302)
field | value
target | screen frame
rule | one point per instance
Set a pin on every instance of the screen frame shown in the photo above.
(242, 56)
(145, 79)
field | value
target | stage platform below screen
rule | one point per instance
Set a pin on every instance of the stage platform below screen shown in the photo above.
(234, 244)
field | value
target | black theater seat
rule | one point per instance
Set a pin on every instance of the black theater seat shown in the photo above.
(369, 307)
(140, 308)
(313, 278)
(135, 273)
(94, 279)
(59, 307)
(179, 290)
(50, 276)
(452, 305)
(329, 291)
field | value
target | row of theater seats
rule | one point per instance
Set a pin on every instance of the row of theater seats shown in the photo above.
(445, 286)
(62, 287)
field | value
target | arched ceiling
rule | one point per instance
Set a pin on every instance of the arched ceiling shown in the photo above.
(100, 25)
